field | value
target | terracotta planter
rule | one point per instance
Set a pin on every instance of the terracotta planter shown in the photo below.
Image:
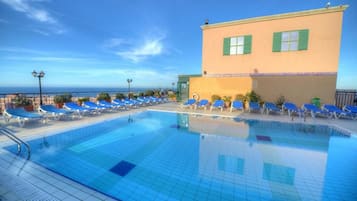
(59, 105)
(28, 108)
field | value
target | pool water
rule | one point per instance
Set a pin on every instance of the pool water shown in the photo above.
(168, 156)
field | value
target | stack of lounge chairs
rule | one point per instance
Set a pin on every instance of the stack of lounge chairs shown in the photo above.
(72, 109)
(290, 108)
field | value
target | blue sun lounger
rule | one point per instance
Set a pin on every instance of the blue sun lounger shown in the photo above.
(202, 104)
(218, 104)
(337, 112)
(72, 106)
(109, 105)
(120, 104)
(292, 109)
(350, 108)
(237, 105)
(53, 111)
(315, 111)
(271, 107)
(254, 107)
(189, 103)
(21, 115)
(94, 106)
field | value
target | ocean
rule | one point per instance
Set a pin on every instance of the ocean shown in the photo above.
(75, 91)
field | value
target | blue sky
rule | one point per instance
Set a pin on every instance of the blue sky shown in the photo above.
(85, 43)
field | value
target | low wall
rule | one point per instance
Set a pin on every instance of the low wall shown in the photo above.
(298, 89)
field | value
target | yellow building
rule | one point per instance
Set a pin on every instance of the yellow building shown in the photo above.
(295, 55)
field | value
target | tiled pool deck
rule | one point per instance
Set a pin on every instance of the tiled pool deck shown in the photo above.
(24, 180)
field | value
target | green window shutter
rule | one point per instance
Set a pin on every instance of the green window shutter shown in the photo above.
(303, 39)
(226, 46)
(277, 42)
(247, 44)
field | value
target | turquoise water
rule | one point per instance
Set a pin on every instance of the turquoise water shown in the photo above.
(169, 156)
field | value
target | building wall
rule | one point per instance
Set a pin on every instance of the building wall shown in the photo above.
(297, 89)
(297, 75)
(321, 56)
(205, 87)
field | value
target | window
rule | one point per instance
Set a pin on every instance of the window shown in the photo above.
(290, 40)
(237, 45)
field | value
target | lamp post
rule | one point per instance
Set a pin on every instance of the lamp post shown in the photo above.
(173, 86)
(40, 75)
(129, 81)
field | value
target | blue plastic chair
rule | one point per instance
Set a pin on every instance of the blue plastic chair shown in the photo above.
(74, 107)
(120, 104)
(237, 105)
(53, 111)
(254, 107)
(21, 115)
(337, 112)
(315, 111)
(291, 108)
(350, 108)
(202, 104)
(218, 104)
(271, 107)
(189, 103)
(94, 106)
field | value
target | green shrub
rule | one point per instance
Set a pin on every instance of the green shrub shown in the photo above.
(215, 97)
(253, 97)
(103, 96)
(157, 93)
(22, 100)
(241, 97)
(64, 98)
(119, 96)
(131, 95)
(149, 93)
(227, 100)
(279, 102)
(81, 100)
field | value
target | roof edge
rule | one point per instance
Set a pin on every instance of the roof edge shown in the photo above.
(340, 8)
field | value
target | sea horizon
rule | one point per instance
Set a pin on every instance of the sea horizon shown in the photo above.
(75, 91)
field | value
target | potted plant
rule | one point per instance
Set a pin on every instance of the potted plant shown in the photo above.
(120, 96)
(227, 101)
(59, 100)
(253, 97)
(280, 101)
(172, 96)
(149, 93)
(81, 100)
(22, 101)
(215, 97)
(104, 96)
(242, 98)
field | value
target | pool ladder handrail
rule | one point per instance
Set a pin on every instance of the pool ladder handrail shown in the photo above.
(18, 141)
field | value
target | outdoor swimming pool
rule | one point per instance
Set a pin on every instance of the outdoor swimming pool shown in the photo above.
(168, 156)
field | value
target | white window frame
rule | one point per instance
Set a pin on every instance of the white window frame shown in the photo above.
(236, 45)
(289, 42)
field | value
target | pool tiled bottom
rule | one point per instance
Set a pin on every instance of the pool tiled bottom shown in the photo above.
(149, 159)
(122, 168)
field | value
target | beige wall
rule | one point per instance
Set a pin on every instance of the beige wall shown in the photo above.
(322, 54)
(205, 87)
(297, 89)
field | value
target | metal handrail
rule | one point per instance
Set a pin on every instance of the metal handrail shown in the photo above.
(17, 140)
